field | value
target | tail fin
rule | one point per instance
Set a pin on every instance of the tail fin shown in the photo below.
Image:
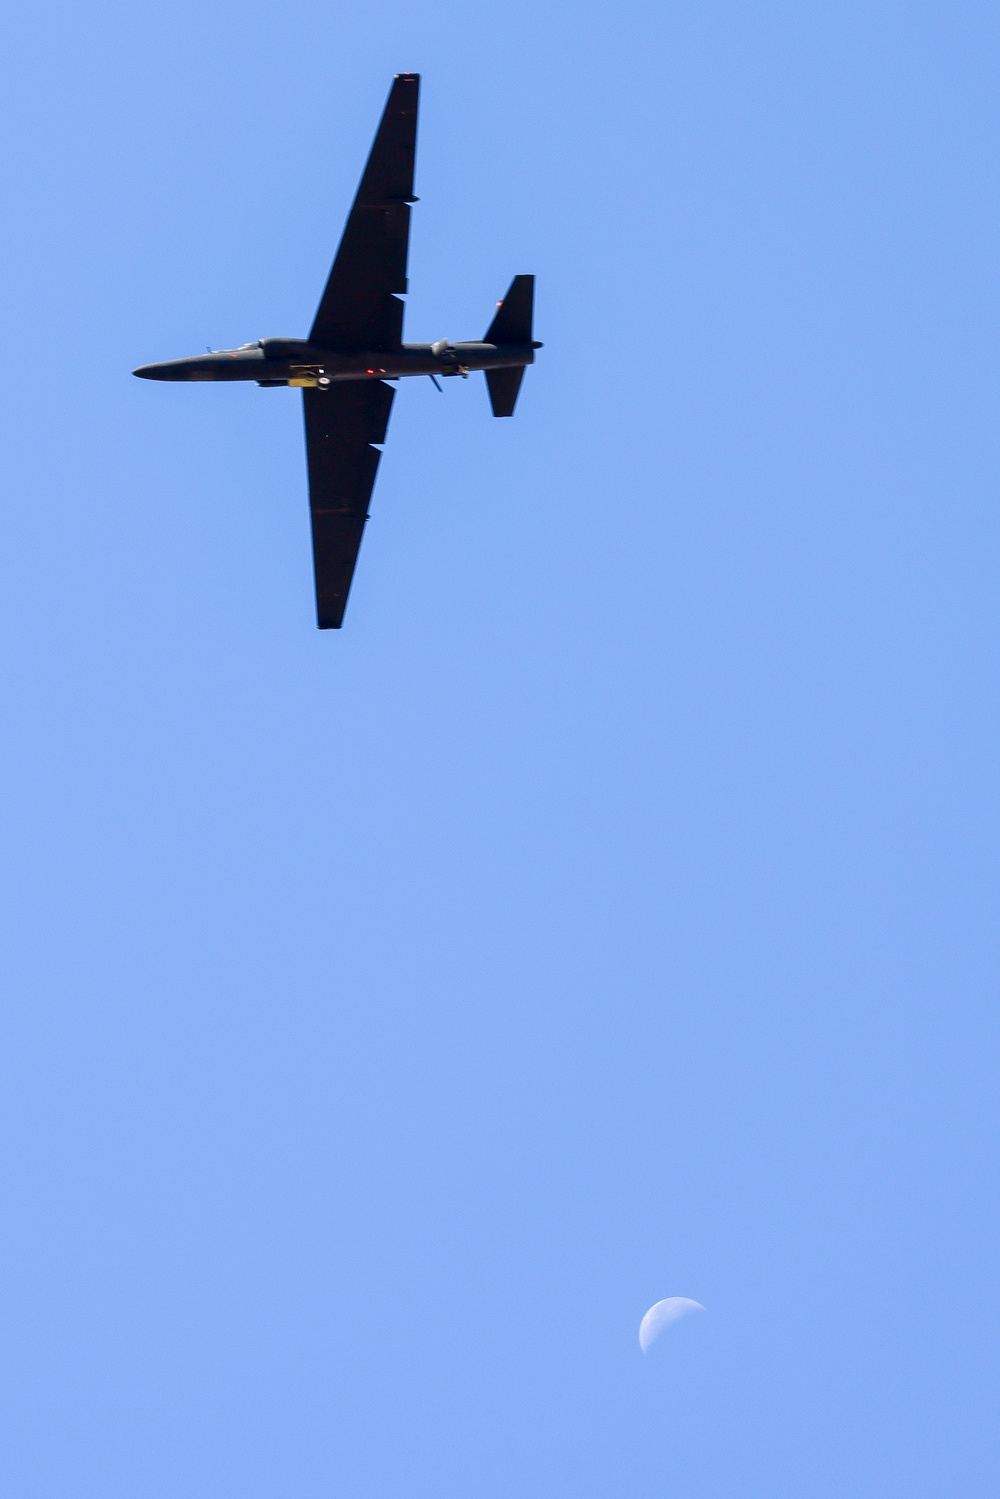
(512, 324)
(503, 387)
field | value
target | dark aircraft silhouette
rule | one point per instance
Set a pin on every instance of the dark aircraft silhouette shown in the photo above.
(356, 344)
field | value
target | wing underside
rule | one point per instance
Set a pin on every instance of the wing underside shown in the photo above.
(360, 308)
(343, 421)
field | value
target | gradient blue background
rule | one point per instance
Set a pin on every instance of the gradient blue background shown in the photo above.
(609, 911)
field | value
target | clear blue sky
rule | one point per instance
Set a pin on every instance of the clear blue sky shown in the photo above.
(609, 911)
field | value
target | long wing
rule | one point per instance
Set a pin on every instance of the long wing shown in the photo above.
(358, 310)
(342, 422)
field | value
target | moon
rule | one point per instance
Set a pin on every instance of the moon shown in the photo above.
(661, 1315)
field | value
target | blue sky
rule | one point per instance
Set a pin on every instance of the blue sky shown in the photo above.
(608, 912)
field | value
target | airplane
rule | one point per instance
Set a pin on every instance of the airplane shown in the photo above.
(356, 344)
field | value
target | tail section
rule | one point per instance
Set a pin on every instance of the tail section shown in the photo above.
(503, 387)
(512, 324)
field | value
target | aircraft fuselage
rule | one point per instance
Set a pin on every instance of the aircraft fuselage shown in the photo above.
(354, 353)
(295, 361)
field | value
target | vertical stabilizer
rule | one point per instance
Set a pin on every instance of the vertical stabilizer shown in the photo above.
(512, 324)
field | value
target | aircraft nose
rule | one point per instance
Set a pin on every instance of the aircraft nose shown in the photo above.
(174, 369)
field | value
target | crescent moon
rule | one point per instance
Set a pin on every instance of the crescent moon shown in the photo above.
(661, 1315)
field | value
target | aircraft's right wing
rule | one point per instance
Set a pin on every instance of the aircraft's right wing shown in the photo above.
(358, 310)
(342, 422)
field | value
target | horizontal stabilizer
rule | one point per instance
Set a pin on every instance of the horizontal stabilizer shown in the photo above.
(512, 324)
(504, 386)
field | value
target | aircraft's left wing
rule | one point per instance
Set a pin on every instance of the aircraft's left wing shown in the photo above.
(342, 422)
(358, 309)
